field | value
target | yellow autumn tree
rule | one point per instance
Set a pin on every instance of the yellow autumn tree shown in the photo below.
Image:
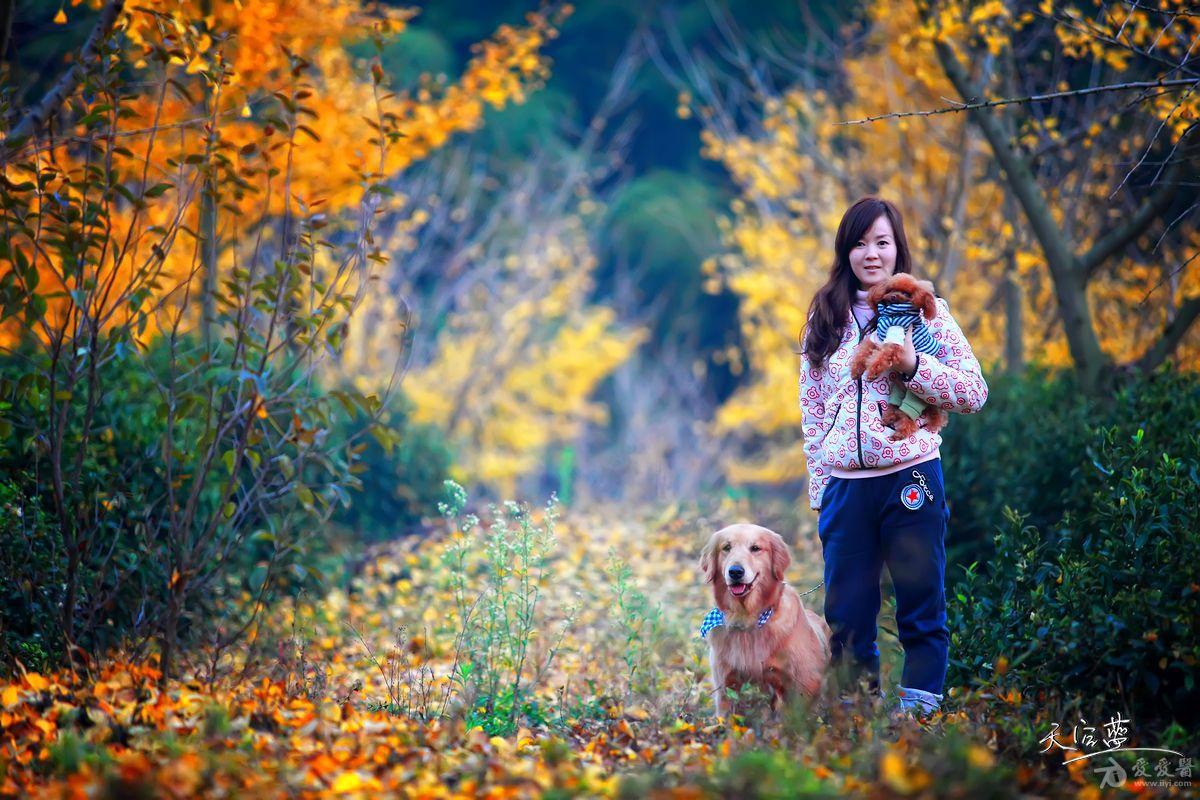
(169, 175)
(514, 367)
(1091, 150)
(484, 304)
(797, 173)
(797, 170)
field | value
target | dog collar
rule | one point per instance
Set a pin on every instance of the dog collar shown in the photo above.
(716, 618)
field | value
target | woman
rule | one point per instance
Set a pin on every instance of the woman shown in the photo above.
(880, 501)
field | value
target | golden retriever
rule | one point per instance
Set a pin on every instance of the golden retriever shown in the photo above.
(789, 651)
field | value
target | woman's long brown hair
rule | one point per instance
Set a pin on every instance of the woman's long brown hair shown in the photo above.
(830, 307)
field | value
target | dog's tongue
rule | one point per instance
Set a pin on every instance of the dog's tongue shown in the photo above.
(739, 589)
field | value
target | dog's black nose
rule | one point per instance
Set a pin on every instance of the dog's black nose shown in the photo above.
(736, 573)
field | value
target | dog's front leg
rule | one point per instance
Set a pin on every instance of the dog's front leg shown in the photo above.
(777, 683)
(904, 427)
(731, 680)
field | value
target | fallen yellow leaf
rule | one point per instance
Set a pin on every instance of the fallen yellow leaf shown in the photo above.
(348, 782)
(894, 772)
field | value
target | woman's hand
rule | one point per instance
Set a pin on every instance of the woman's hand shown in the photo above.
(908, 357)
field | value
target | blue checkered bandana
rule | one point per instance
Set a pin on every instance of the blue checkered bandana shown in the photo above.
(716, 618)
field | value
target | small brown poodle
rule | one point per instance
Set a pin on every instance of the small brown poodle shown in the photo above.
(760, 632)
(901, 302)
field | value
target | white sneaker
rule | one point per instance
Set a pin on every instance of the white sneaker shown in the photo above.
(917, 702)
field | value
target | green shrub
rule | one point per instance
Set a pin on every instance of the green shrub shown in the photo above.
(160, 402)
(122, 583)
(1024, 451)
(32, 567)
(1100, 599)
(120, 560)
(638, 623)
(1028, 449)
(118, 588)
(495, 665)
(401, 476)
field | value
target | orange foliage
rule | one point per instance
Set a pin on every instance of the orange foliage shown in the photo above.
(250, 45)
(217, 85)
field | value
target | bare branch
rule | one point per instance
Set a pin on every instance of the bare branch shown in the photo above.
(1172, 13)
(1176, 329)
(100, 136)
(1033, 98)
(1133, 227)
(1170, 276)
(1161, 124)
(1081, 26)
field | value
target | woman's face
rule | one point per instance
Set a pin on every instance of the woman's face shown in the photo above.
(873, 257)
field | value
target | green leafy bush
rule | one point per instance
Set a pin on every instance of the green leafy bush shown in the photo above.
(115, 591)
(116, 572)
(1100, 599)
(1024, 451)
(31, 564)
(496, 668)
(160, 405)
(400, 471)
(1028, 449)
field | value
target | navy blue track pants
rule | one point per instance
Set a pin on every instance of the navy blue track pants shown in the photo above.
(888, 519)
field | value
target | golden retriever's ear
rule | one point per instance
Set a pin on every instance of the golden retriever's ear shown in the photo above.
(781, 556)
(708, 559)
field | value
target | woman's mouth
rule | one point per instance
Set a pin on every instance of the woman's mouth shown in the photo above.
(740, 589)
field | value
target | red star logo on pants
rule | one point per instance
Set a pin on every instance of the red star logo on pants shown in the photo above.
(912, 496)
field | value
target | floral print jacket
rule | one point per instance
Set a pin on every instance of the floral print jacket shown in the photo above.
(842, 417)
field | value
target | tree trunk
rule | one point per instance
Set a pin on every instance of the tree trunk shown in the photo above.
(65, 86)
(1172, 335)
(1014, 335)
(1014, 346)
(6, 19)
(208, 229)
(169, 634)
(1070, 281)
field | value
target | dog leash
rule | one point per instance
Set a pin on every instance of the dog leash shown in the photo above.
(813, 589)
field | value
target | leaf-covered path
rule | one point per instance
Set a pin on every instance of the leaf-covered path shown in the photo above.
(383, 689)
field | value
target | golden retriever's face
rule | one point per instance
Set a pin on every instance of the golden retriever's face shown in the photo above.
(745, 562)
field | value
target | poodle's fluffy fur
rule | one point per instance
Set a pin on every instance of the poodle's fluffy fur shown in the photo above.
(790, 653)
(875, 359)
